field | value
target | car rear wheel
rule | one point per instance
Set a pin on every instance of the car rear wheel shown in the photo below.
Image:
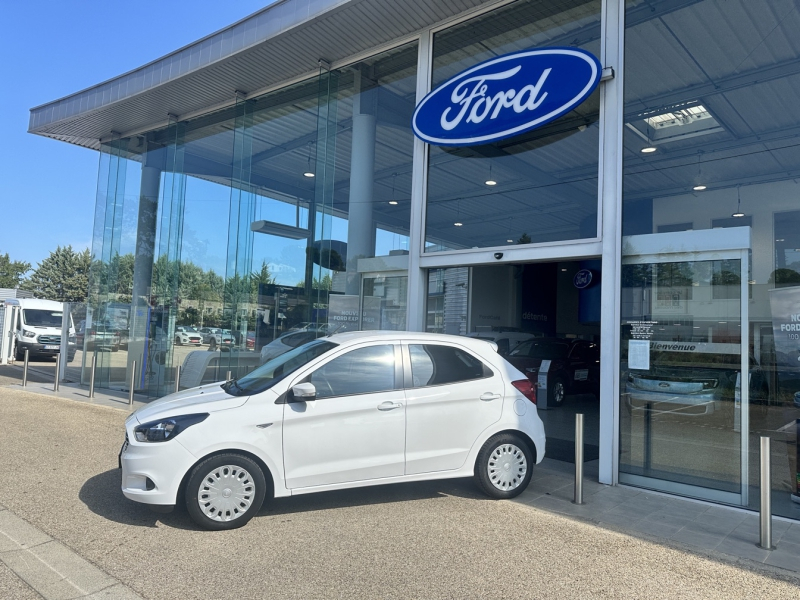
(556, 392)
(504, 466)
(178, 341)
(225, 491)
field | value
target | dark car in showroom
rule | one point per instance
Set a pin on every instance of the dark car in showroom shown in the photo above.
(692, 383)
(573, 367)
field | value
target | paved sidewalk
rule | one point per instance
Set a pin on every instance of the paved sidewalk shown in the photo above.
(80, 393)
(51, 569)
(705, 527)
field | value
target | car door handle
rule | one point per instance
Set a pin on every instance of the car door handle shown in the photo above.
(389, 405)
(489, 396)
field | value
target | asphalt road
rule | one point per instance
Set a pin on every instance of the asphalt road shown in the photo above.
(430, 540)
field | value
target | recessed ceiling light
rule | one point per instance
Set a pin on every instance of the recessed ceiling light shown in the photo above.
(458, 224)
(308, 174)
(393, 202)
(648, 150)
(564, 270)
(490, 182)
(510, 241)
(699, 188)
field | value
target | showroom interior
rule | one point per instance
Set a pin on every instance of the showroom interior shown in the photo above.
(267, 179)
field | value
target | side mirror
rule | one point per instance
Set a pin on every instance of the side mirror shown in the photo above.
(303, 392)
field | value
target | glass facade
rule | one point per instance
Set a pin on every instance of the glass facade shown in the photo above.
(711, 276)
(282, 213)
(541, 185)
(226, 238)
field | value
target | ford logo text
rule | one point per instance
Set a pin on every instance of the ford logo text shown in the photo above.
(506, 96)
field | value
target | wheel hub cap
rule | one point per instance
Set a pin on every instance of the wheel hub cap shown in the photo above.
(507, 467)
(226, 493)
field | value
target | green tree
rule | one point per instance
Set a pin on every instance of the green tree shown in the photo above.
(63, 276)
(12, 272)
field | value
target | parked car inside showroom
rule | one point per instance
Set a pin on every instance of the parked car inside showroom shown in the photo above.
(692, 383)
(506, 340)
(573, 366)
(349, 410)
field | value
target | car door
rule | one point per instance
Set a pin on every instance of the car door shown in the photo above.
(354, 430)
(451, 396)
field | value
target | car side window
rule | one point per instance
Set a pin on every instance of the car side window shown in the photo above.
(432, 364)
(360, 371)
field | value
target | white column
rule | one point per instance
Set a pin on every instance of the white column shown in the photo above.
(610, 188)
(360, 228)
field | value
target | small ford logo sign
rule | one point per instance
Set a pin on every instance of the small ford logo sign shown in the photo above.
(506, 96)
(582, 279)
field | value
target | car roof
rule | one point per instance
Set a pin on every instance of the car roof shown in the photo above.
(35, 303)
(409, 336)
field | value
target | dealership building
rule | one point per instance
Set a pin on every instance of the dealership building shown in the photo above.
(622, 173)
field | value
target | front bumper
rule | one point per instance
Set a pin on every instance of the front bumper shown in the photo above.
(159, 466)
(37, 349)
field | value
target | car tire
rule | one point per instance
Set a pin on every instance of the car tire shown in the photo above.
(556, 392)
(178, 341)
(225, 491)
(212, 345)
(504, 466)
(115, 348)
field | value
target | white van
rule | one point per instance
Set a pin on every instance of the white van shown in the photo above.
(37, 328)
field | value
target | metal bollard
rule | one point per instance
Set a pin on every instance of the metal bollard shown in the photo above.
(578, 497)
(766, 495)
(228, 376)
(25, 369)
(133, 383)
(178, 379)
(58, 368)
(91, 376)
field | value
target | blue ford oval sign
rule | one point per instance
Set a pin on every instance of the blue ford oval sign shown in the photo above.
(582, 279)
(506, 96)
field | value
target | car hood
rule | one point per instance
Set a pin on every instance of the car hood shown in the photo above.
(206, 398)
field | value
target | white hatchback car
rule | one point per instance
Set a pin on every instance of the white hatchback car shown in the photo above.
(350, 410)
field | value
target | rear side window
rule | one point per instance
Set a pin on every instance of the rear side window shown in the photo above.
(432, 364)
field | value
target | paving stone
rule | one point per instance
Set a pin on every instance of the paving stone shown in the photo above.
(16, 533)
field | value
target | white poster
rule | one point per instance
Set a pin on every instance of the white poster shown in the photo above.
(639, 354)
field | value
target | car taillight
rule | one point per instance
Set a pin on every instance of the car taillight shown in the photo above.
(526, 388)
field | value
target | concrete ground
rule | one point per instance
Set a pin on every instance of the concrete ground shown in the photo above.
(66, 531)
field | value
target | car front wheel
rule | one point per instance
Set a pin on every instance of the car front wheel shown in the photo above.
(225, 491)
(504, 465)
(556, 392)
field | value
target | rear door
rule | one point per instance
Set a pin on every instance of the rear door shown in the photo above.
(451, 397)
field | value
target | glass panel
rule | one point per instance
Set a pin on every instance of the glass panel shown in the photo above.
(384, 303)
(362, 371)
(537, 187)
(711, 140)
(681, 363)
(437, 365)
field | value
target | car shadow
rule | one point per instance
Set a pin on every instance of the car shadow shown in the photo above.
(102, 495)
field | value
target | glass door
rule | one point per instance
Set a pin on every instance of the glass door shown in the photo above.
(684, 346)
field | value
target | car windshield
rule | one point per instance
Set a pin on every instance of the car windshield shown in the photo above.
(272, 371)
(42, 318)
(540, 349)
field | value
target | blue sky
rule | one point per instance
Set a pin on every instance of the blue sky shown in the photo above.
(52, 49)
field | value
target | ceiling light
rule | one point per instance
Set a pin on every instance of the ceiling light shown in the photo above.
(738, 212)
(308, 174)
(563, 270)
(490, 182)
(648, 150)
(393, 202)
(457, 224)
(510, 241)
(699, 188)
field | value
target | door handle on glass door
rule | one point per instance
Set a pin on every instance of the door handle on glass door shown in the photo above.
(389, 405)
(490, 396)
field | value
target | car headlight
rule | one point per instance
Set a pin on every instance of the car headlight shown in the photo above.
(165, 429)
(29, 334)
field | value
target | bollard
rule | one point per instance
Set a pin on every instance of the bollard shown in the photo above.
(133, 383)
(25, 369)
(578, 497)
(228, 376)
(766, 496)
(178, 379)
(91, 376)
(58, 368)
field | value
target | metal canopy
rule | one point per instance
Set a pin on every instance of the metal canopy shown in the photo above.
(282, 42)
